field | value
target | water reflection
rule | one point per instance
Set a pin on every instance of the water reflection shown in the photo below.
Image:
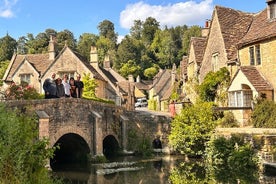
(159, 170)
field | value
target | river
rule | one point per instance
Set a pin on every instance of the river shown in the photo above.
(157, 170)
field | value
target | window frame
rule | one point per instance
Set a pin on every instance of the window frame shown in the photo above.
(240, 98)
(255, 55)
(215, 61)
(25, 77)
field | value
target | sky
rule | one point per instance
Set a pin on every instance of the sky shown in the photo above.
(20, 17)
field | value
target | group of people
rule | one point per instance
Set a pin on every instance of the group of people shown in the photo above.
(62, 88)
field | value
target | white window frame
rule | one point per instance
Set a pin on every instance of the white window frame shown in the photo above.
(25, 78)
(215, 62)
(241, 98)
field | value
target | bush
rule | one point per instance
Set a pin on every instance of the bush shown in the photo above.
(264, 114)
(23, 156)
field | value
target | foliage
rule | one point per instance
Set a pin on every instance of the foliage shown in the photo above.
(192, 128)
(186, 173)
(130, 68)
(228, 120)
(7, 47)
(86, 40)
(22, 156)
(22, 91)
(90, 85)
(193, 31)
(264, 114)
(3, 67)
(229, 160)
(208, 88)
(150, 72)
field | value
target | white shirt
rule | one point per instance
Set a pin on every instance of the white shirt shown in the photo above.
(66, 87)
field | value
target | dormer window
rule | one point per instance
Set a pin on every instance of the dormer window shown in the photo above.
(271, 9)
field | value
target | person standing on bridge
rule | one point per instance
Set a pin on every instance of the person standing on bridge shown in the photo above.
(50, 87)
(79, 85)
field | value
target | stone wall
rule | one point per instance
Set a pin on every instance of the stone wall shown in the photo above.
(93, 121)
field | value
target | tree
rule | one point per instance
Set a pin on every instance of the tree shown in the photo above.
(7, 47)
(107, 30)
(23, 156)
(130, 68)
(136, 29)
(3, 67)
(89, 90)
(150, 26)
(192, 128)
(194, 31)
(151, 72)
(85, 42)
(66, 37)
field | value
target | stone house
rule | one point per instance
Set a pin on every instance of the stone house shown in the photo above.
(162, 88)
(257, 55)
(36, 68)
(227, 27)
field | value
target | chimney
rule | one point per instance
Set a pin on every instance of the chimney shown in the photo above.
(106, 62)
(130, 78)
(205, 30)
(51, 48)
(94, 57)
(173, 74)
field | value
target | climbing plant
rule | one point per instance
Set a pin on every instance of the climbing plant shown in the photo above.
(212, 83)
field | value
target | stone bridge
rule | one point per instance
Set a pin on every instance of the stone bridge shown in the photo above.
(82, 127)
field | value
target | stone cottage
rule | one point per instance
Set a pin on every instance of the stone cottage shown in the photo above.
(36, 68)
(257, 55)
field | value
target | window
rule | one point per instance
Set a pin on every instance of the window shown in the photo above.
(241, 98)
(272, 10)
(25, 78)
(215, 62)
(255, 55)
(70, 74)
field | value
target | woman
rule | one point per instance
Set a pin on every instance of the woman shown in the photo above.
(60, 88)
(73, 87)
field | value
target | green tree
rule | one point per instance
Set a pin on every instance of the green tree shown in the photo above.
(107, 30)
(136, 30)
(89, 90)
(3, 67)
(23, 156)
(194, 31)
(66, 37)
(85, 42)
(130, 68)
(151, 72)
(7, 47)
(150, 26)
(264, 114)
(192, 128)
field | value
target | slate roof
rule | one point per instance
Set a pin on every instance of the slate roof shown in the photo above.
(39, 61)
(261, 29)
(234, 25)
(199, 44)
(255, 78)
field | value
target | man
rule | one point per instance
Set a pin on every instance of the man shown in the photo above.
(66, 86)
(79, 86)
(50, 87)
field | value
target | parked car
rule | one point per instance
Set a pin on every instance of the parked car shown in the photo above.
(141, 102)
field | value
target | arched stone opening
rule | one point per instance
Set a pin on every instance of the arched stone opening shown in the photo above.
(110, 146)
(73, 150)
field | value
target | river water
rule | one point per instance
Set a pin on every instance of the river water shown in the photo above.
(157, 170)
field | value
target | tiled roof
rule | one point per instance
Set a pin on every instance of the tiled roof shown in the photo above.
(234, 25)
(262, 28)
(199, 44)
(162, 81)
(255, 78)
(39, 61)
(168, 93)
(183, 66)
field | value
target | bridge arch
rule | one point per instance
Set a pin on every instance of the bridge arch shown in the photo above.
(73, 130)
(111, 146)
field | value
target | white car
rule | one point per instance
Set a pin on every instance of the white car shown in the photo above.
(141, 102)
